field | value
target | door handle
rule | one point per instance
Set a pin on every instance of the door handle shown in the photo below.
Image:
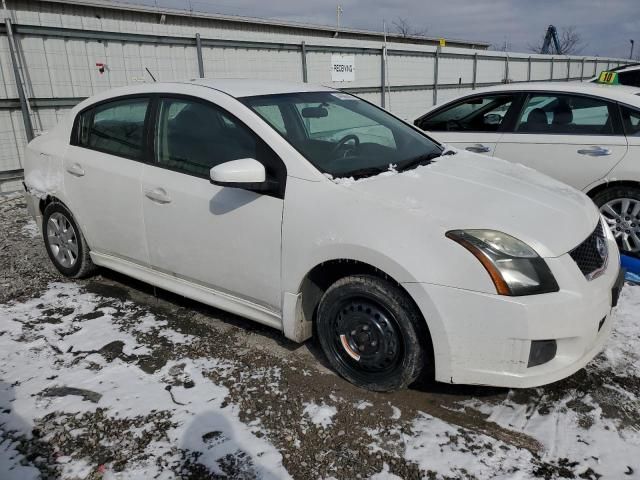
(76, 170)
(478, 148)
(158, 195)
(595, 151)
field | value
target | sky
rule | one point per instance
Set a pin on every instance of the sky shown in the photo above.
(606, 26)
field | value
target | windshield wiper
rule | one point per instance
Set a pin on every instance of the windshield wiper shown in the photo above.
(421, 160)
(363, 172)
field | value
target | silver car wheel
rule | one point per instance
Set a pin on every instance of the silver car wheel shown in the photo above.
(62, 239)
(623, 217)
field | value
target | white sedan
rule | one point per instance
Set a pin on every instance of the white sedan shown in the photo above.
(296, 205)
(584, 134)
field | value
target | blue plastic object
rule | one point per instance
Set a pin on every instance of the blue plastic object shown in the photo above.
(632, 265)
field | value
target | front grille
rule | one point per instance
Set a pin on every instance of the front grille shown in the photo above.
(591, 255)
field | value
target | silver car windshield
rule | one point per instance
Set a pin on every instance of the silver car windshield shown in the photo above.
(342, 135)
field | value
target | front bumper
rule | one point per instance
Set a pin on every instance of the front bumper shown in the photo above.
(482, 338)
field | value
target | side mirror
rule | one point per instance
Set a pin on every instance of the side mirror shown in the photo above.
(245, 173)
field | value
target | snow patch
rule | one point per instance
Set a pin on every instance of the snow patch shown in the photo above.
(44, 181)
(31, 229)
(55, 343)
(320, 415)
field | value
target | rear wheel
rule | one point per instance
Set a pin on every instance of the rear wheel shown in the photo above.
(620, 207)
(371, 333)
(65, 243)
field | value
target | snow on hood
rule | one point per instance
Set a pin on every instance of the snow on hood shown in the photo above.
(467, 191)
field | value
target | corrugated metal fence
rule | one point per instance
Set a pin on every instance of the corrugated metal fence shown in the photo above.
(57, 56)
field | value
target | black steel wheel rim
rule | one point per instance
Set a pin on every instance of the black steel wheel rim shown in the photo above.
(366, 337)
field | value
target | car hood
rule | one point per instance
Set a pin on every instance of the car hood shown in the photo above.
(466, 191)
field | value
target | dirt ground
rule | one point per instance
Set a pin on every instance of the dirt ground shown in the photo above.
(270, 391)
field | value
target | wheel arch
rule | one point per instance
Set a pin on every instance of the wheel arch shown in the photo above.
(302, 306)
(595, 190)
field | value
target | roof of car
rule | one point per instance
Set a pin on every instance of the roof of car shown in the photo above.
(621, 93)
(238, 87)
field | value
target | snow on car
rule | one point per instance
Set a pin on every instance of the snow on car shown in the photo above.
(232, 193)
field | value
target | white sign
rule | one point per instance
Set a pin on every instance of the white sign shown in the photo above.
(343, 68)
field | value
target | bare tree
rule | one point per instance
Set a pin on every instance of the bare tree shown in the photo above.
(405, 29)
(570, 41)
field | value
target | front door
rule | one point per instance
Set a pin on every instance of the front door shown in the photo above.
(575, 139)
(223, 238)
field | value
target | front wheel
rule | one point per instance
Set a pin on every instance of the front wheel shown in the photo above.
(620, 207)
(65, 243)
(372, 333)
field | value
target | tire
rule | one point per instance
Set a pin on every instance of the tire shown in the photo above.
(64, 242)
(624, 225)
(372, 333)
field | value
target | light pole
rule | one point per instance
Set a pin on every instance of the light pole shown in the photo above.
(631, 54)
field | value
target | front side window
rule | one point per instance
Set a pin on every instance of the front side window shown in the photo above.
(193, 137)
(477, 114)
(565, 114)
(342, 135)
(116, 128)
(631, 121)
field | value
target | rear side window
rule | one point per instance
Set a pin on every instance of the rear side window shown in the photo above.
(566, 114)
(631, 121)
(116, 128)
(477, 114)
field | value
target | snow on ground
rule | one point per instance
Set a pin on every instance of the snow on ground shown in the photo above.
(30, 229)
(63, 352)
(320, 415)
(81, 383)
(595, 424)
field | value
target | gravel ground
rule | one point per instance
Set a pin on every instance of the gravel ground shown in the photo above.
(109, 378)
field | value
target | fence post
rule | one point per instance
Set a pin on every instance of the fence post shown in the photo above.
(303, 52)
(506, 68)
(595, 67)
(435, 76)
(383, 70)
(582, 71)
(529, 69)
(199, 54)
(26, 118)
(475, 71)
(551, 69)
(568, 69)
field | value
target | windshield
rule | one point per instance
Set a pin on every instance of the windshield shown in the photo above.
(342, 135)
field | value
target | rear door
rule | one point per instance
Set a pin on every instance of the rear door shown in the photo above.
(102, 173)
(473, 123)
(577, 139)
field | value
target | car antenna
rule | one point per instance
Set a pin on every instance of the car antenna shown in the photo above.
(150, 74)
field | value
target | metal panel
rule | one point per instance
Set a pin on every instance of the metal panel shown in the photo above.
(455, 69)
(410, 70)
(490, 70)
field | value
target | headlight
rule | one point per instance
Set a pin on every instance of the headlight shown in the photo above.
(514, 267)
